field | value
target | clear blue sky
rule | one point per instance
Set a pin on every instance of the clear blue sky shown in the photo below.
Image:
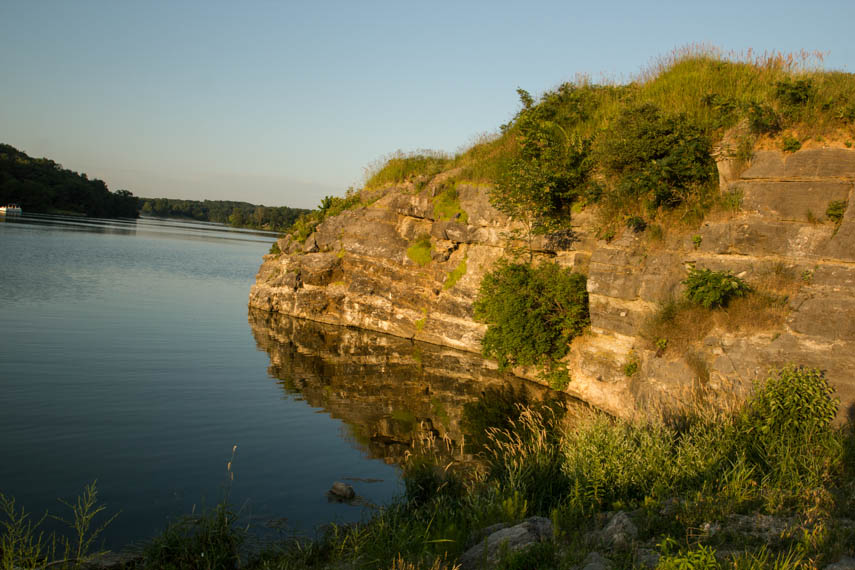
(281, 103)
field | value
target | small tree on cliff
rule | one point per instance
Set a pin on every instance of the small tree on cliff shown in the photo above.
(537, 187)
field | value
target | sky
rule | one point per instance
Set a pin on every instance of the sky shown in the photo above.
(282, 103)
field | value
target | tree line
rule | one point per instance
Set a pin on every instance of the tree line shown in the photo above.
(237, 214)
(42, 185)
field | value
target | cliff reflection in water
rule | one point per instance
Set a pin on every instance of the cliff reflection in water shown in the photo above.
(389, 391)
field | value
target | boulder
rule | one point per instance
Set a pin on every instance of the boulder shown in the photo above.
(486, 553)
(341, 491)
(619, 532)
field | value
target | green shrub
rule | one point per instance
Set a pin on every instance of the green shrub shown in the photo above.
(330, 206)
(420, 250)
(636, 224)
(532, 312)
(762, 119)
(455, 275)
(713, 289)
(210, 540)
(655, 158)
(446, 206)
(788, 433)
(790, 144)
(793, 401)
(794, 92)
(424, 481)
(835, 210)
(274, 249)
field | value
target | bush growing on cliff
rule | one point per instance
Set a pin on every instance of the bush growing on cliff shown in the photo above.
(713, 289)
(656, 159)
(532, 312)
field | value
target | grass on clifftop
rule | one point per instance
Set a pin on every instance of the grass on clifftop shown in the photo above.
(643, 152)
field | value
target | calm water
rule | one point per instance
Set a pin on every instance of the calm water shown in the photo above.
(126, 356)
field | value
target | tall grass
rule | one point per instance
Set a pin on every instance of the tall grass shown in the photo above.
(24, 543)
(401, 167)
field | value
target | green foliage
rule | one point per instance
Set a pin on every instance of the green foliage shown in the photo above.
(762, 119)
(425, 481)
(495, 408)
(636, 224)
(330, 206)
(790, 144)
(794, 402)
(42, 185)
(713, 289)
(420, 250)
(208, 541)
(630, 367)
(274, 249)
(446, 206)
(654, 158)
(791, 91)
(835, 210)
(532, 312)
(236, 214)
(696, 241)
(401, 167)
(698, 558)
(455, 275)
(23, 544)
(551, 170)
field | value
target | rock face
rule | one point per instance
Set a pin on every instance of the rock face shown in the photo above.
(355, 271)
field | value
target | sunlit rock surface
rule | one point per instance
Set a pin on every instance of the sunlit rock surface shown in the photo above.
(354, 271)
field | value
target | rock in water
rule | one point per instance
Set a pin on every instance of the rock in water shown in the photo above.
(342, 492)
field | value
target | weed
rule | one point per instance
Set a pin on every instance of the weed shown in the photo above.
(696, 241)
(446, 206)
(790, 144)
(630, 368)
(636, 224)
(713, 289)
(835, 211)
(274, 249)
(420, 250)
(455, 275)
(24, 545)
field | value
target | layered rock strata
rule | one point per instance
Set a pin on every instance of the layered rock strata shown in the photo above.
(354, 270)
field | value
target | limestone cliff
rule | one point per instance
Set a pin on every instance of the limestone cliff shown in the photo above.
(354, 270)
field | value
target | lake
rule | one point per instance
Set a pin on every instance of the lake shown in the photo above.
(128, 356)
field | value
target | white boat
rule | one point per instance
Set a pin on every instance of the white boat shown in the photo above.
(11, 209)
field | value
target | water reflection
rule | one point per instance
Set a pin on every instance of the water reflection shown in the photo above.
(390, 392)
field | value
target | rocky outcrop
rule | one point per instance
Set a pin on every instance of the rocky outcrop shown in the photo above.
(355, 271)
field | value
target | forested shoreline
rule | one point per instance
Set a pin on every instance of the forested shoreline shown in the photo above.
(40, 185)
(44, 186)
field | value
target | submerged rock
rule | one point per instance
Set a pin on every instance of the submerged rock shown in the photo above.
(341, 492)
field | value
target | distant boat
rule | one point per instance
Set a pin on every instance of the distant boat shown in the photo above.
(11, 209)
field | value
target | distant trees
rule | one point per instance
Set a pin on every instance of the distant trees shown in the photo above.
(236, 214)
(42, 185)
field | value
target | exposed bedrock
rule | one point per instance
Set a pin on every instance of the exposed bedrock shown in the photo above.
(354, 270)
